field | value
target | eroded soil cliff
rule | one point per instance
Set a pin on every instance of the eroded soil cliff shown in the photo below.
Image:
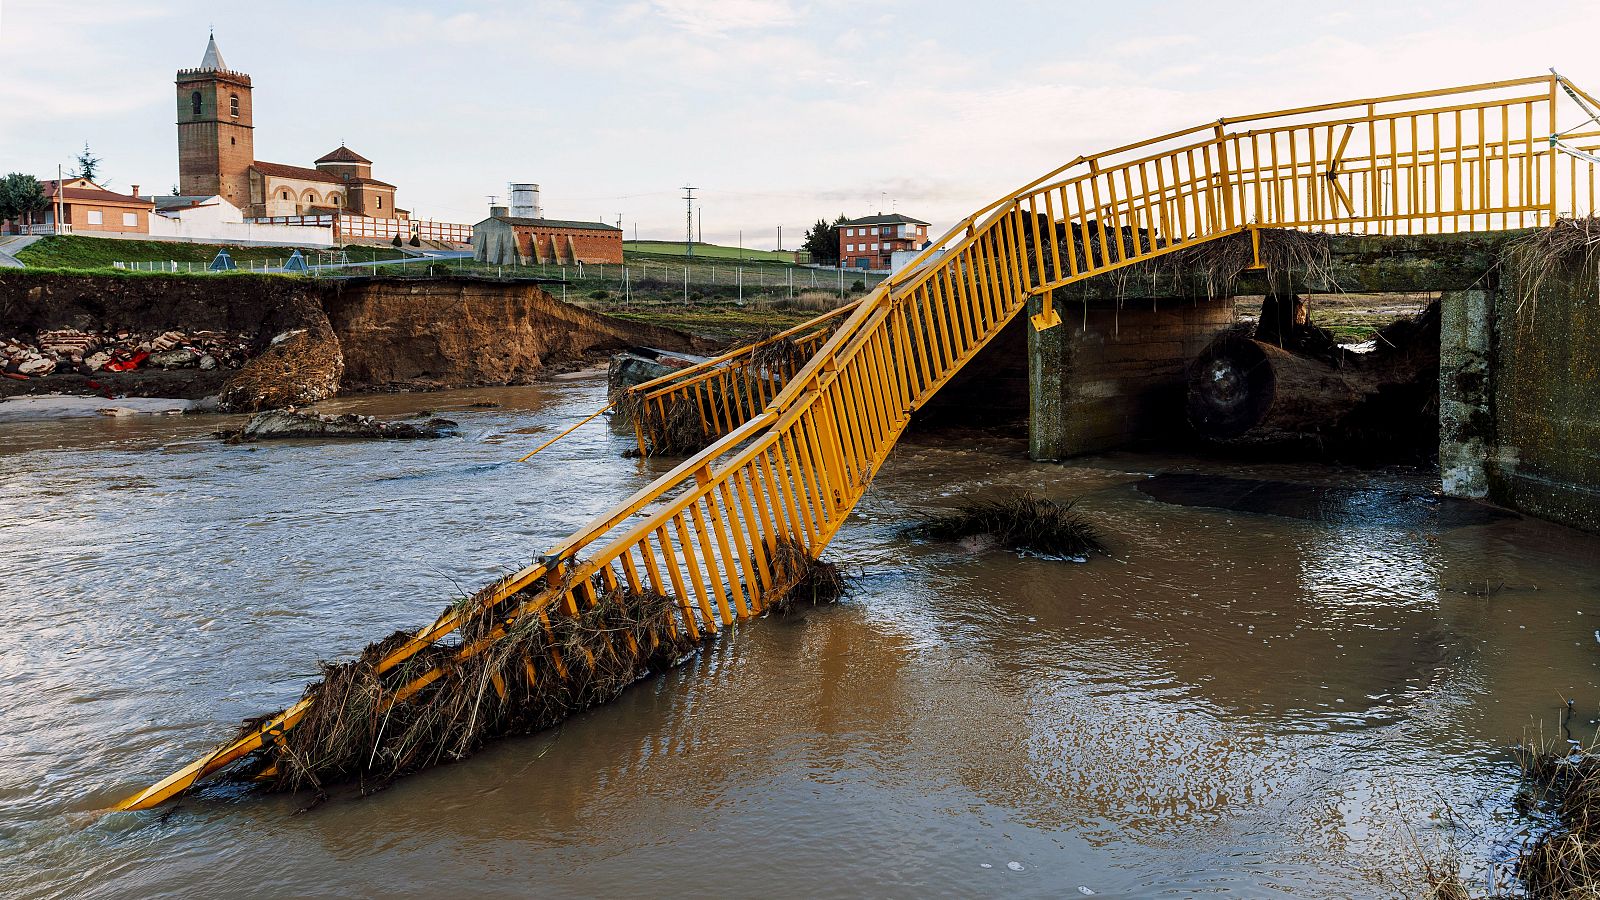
(458, 332)
(310, 339)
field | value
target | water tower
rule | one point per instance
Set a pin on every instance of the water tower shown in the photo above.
(525, 201)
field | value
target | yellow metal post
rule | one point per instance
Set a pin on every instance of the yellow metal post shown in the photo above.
(1256, 265)
(1046, 318)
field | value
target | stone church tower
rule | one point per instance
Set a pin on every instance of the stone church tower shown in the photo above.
(216, 144)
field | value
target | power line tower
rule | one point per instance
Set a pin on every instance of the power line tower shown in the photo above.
(688, 221)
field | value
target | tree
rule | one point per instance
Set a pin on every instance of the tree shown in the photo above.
(20, 197)
(822, 241)
(88, 164)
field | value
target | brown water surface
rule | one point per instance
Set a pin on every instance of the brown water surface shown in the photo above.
(1264, 700)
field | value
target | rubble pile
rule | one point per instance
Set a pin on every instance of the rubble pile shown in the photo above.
(73, 352)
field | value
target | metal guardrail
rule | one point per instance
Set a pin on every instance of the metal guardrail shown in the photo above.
(794, 458)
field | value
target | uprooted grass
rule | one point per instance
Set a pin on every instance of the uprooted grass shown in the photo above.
(778, 356)
(529, 673)
(1563, 784)
(541, 670)
(1532, 260)
(1212, 268)
(1020, 521)
(680, 432)
(806, 581)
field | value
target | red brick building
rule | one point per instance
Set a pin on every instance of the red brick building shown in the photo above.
(868, 242)
(86, 208)
(504, 239)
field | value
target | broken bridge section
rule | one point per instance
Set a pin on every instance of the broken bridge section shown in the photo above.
(721, 537)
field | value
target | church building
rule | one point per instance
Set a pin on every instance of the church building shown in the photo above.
(216, 156)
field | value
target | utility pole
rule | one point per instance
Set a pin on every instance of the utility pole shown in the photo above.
(688, 221)
(780, 237)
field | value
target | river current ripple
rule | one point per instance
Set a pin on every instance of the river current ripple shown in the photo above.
(1237, 702)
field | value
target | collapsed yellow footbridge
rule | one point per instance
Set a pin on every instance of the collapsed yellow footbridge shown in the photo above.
(795, 438)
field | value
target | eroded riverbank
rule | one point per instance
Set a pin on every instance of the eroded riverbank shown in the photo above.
(1237, 700)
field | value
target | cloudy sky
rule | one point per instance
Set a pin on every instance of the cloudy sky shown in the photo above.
(779, 111)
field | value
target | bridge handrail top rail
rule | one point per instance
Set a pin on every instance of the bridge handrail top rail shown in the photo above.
(969, 227)
(1223, 121)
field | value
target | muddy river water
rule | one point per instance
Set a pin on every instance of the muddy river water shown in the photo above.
(1270, 690)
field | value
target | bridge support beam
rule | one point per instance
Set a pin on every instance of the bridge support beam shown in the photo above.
(1112, 374)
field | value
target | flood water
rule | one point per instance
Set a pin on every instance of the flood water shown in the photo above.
(1250, 699)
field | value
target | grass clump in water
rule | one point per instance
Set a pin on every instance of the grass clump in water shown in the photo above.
(1563, 784)
(1021, 522)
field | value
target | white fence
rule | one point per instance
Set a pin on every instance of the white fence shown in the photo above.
(349, 228)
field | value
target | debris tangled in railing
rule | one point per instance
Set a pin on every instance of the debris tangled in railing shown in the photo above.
(508, 671)
(543, 669)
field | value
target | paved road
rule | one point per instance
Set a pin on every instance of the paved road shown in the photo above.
(10, 245)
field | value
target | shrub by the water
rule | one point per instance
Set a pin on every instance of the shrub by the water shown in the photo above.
(1563, 784)
(1019, 522)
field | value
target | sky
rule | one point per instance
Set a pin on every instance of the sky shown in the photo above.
(779, 112)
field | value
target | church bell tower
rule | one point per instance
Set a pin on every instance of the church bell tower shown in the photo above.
(216, 146)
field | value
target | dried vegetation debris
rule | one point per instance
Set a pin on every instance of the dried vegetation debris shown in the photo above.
(806, 581)
(778, 356)
(525, 671)
(297, 368)
(536, 670)
(1529, 262)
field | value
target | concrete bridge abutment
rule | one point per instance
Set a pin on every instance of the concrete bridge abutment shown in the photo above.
(1519, 379)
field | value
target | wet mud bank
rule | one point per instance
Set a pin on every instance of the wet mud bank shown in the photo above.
(293, 341)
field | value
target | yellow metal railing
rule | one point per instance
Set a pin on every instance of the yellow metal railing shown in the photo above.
(722, 393)
(798, 450)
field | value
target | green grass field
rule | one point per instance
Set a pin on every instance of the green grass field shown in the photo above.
(708, 251)
(88, 253)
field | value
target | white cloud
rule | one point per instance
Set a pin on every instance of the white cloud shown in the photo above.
(718, 17)
(784, 111)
